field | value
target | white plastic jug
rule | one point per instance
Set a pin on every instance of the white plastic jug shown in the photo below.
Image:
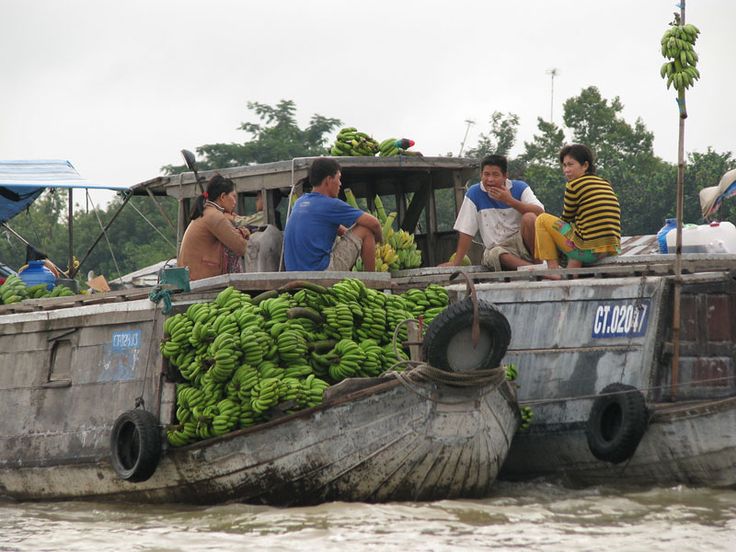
(716, 237)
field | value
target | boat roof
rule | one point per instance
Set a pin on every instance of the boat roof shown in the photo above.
(281, 174)
(22, 181)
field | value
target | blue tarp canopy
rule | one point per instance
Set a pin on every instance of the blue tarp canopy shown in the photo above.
(21, 182)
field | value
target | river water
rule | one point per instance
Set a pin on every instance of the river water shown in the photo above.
(518, 516)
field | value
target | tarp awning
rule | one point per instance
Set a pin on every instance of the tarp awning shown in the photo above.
(22, 181)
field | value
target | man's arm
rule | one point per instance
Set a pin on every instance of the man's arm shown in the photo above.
(463, 244)
(371, 223)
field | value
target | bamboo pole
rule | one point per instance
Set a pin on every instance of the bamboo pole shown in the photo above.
(676, 311)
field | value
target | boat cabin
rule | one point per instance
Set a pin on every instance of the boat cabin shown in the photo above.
(425, 192)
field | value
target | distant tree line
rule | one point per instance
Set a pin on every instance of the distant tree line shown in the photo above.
(644, 182)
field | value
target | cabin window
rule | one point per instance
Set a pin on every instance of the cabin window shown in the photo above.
(61, 361)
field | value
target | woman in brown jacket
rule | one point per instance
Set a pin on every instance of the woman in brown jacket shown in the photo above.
(211, 244)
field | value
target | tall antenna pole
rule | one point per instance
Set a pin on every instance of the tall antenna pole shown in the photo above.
(552, 73)
(470, 123)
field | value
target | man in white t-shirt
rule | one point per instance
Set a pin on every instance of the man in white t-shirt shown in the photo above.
(504, 212)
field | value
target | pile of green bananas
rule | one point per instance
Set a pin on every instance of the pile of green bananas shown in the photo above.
(352, 142)
(409, 256)
(677, 46)
(244, 359)
(14, 290)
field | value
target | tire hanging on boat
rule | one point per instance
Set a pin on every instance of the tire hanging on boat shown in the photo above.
(617, 422)
(135, 445)
(448, 343)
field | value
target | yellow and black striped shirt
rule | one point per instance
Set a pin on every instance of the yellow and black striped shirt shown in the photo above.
(591, 206)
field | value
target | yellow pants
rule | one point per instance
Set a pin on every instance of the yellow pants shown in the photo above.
(551, 238)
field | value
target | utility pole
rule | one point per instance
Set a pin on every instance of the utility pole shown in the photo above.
(552, 73)
(467, 129)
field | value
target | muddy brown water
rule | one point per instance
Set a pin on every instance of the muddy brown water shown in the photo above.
(541, 516)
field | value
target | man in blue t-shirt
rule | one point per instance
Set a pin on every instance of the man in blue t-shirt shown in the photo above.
(503, 212)
(325, 233)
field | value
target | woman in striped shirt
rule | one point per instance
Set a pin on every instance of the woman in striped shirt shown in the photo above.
(590, 226)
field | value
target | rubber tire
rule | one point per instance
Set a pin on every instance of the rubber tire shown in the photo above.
(135, 445)
(458, 317)
(617, 423)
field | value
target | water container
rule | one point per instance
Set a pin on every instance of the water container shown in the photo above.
(37, 273)
(716, 237)
(669, 224)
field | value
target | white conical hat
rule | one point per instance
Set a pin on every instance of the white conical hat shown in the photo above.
(711, 197)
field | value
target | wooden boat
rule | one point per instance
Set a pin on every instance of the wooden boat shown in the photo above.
(612, 326)
(70, 367)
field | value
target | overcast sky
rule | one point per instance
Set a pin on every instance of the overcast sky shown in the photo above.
(118, 88)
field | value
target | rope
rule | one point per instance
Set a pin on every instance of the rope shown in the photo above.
(420, 372)
(157, 294)
(153, 226)
(638, 389)
(139, 400)
(104, 233)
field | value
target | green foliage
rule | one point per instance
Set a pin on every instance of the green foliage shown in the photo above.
(645, 184)
(134, 242)
(499, 139)
(275, 138)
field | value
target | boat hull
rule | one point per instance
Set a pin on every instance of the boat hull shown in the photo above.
(386, 443)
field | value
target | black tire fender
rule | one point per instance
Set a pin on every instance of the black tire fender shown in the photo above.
(135, 445)
(617, 422)
(448, 346)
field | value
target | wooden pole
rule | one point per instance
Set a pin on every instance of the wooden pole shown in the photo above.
(676, 315)
(70, 225)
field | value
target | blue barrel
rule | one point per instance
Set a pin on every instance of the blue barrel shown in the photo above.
(669, 224)
(38, 273)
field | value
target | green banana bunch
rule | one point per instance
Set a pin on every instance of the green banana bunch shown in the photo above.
(224, 356)
(265, 394)
(230, 299)
(60, 291)
(526, 417)
(311, 392)
(388, 148)
(397, 311)
(254, 344)
(181, 434)
(677, 46)
(292, 346)
(339, 321)
(345, 360)
(225, 416)
(13, 290)
(511, 372)
(372, 364)
(242, 383)
(352, 142)
(417, 301)
(390, 358)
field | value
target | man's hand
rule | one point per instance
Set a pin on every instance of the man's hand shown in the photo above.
(341, 230)
(500, 194)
